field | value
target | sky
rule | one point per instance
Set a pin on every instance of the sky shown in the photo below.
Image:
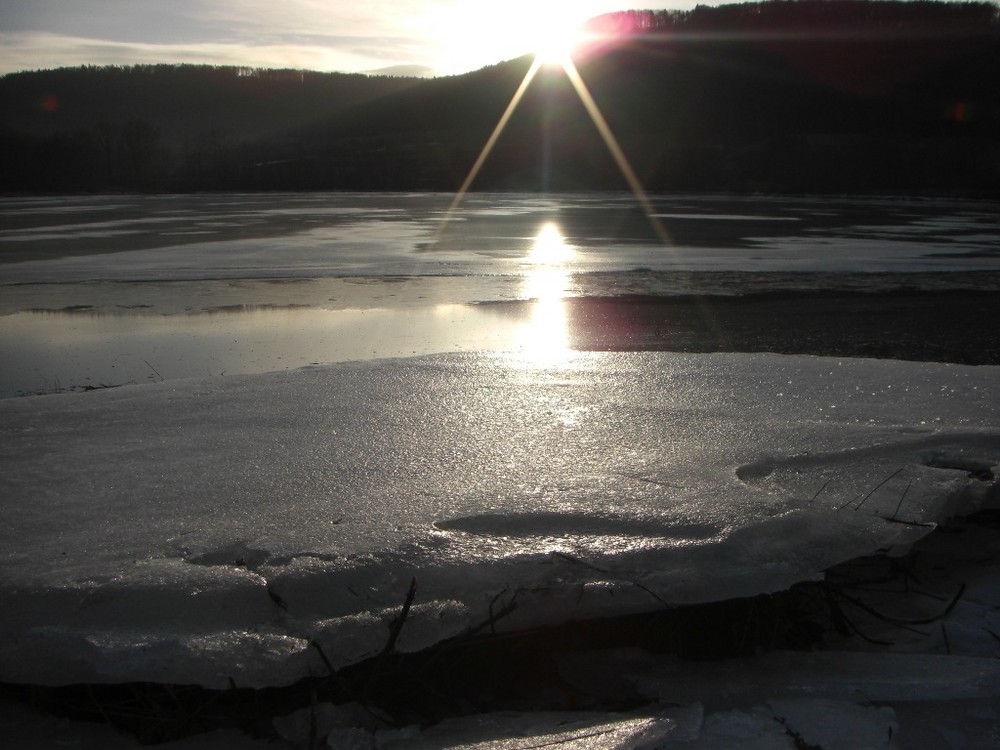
(413, 37)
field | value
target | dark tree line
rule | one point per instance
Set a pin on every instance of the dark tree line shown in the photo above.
(159, 127)
(791, 95)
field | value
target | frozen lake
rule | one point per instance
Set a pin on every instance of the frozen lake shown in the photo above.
(131, 289)
(320, 398)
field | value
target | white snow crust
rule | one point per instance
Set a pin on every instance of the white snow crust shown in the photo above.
(198, 531)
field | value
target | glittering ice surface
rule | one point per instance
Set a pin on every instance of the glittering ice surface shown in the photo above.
(195, 531)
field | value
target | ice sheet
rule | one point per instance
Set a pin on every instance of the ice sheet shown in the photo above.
(157, 238)
(197, 531)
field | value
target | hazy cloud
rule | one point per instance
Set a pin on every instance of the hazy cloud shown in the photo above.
(327, 35)
(446, 36)
(39, 51)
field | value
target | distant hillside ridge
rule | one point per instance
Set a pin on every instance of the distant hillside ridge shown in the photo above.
(784, 96)
(184, 100)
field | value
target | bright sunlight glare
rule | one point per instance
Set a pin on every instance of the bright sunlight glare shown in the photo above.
(471, 36)
(556, 42)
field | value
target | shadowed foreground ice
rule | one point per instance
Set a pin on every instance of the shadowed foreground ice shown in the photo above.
(196, 531)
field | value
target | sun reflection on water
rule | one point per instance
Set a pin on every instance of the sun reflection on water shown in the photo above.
(544, 339)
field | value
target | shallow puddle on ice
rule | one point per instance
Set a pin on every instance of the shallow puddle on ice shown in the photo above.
(47, 351)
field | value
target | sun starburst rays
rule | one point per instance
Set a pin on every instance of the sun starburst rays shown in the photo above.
(494, 136)
(560, 57)
(608, 136)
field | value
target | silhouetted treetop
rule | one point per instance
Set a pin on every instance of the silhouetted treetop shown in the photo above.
(789, 95)
(928, 17)
(184, 99)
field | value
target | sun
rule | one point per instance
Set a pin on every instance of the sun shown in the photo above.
(467, 34)
(556, 43)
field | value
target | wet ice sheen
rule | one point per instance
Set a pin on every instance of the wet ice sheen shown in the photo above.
(129, 289)
(151, 531)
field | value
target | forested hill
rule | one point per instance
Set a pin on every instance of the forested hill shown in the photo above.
(807, 95)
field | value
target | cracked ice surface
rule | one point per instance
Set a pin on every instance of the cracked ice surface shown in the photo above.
(193, 531)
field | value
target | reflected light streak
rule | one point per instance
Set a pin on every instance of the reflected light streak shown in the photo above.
(550, 246)
(544, 339)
